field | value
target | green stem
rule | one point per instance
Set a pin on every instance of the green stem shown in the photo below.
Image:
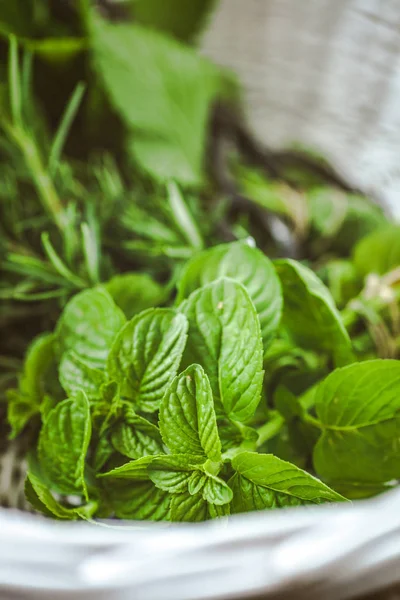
(270, 429)
(41, 178)
(312, 421)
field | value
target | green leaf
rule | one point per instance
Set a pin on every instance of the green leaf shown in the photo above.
(179, 18)
(359, 410)
(135, 469)
(265, 481)
(146, 354)
(216, 491)
(139, 500)
(379, 252)
(187, 417)
(88, 326)
(225, 339)
(25, 402)
(173, 88)
(63, 444)
(76, 375)
(135, 436)
(247, 265)
(135, 292)
(42, 500)
(309, 312)
(188, 508)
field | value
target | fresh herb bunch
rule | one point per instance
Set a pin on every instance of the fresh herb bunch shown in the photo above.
(227, 402)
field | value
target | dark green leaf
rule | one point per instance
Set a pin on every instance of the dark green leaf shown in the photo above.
(188, 508)
(88, 326)
(225, 338)
(187, 417)
(139, 500)
(359, 410)
(247, 265)
(309, 313)
(63, 443)
(146, 354)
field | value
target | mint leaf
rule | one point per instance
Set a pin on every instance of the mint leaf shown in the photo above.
(187, 417)
(379, 252)
(187, 508)
(76, 375)
(359, 410)
(309, 312)
(146, 355)
(136, 437)
(24, 402)
(265, 481)
(63, 444)
(135, 292)
(135, 469)
(173, 89)
(216, 491)
(247, 265)
(88, 326)
(139, 500)
(42, 500)
(225, 339)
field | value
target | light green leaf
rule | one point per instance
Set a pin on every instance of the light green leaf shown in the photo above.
(135, 292)
(88, 326)
(135, 469)
(76, 375)
(225, 339)
(25, 402)
(379, 252)
(173, 89)
(187, 417)
(359, 410)
(172, 472)
(188, 508)
(146, 354)
(216, 491)
(265, 481)
(309, 312)
(135, 436)
(63, 443)
(247, 265)
(42, 500)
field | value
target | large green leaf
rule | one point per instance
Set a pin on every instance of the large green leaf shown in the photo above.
(25, 402)
(163, 90)
(309, 312)
(247, 265)
(146, 354)
(359, 410)
(76, 375)
(135, 292)
(225, 338)
(135, 436)
(63, 444)
(88, 326)
(177, 17)
(379, 252)
(139, 500)
(187, 417)
(186, 507)
(263, 481)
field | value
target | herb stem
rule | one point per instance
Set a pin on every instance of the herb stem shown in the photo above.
(270, 429)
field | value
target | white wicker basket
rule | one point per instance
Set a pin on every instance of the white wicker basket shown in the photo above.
(325, 73)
